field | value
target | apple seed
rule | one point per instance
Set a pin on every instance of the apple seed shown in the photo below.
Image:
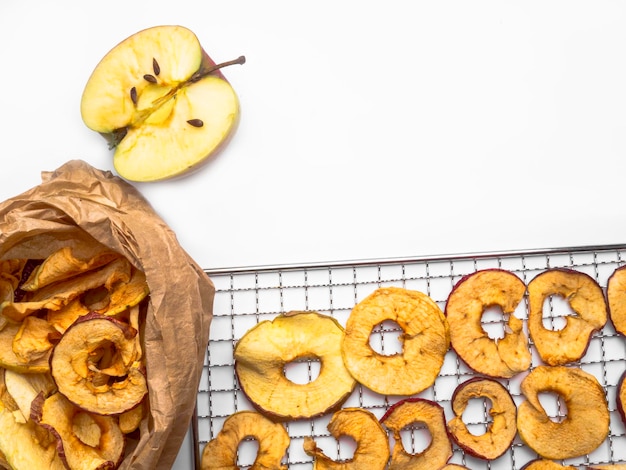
(156, 67)
(150, 78)
(195, 122)
(133, 95)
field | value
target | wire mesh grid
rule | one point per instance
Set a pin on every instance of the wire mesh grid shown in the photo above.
(246, 296)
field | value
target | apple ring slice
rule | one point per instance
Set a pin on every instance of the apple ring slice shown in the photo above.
(372, 445)
(542, 464)
(96, 365)
(465, 306)
(586, 299)
(500, 431)
(585, 401)
(616, 298)
(425, 341)
(412, 411)
(272, 439)
(262, 353)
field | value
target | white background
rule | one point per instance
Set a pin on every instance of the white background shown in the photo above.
(369, 129)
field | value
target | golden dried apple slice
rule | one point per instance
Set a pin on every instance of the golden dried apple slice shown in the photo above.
(616, 299)
(24, 445)
(502, 429)
(372, 445)
(130, 420)
(425, 341)
(24, 388)
(8, 358)
(220, 453)
(465, 306)
(612, 466)
(34, 339)
(264, 350)
(585, 401)
(162, 102)
(454, 466)
(415, 411)
(620, 399)
(57, 414)
(68, 262)
(542, 464)
(95, 365)
(586, 299)
(121, 296)
(55, 296)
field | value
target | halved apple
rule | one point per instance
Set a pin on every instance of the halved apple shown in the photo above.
(162, 102)
(585, 401)
(414, 411)
(372, 443)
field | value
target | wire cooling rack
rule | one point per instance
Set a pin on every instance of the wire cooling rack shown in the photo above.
(246, 296)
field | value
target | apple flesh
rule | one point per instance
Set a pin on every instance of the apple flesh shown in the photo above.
(161, 102)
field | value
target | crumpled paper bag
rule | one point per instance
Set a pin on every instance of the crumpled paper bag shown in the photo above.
(77, 202)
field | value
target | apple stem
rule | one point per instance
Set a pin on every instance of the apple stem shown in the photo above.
(203, 73)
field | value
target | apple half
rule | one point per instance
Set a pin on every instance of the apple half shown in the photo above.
(161, 102)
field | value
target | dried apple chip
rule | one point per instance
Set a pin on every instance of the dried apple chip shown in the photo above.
(34, 339)
(585, 401)
(8, 358)
(262, 353)
(221, 452)
(499, 433)
(96, 365)
(372, 445)
(414, 411)
(16, 437)
(55, 296)
(543, 464)
(425, 341)
(122, 296)
(466, 304)
(76, 434)
(586, 299)
(68, 262)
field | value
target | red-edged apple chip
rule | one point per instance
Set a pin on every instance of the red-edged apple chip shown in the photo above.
(585, 402)
(425, 340)
(272, 438)
(586, 299)
(415, 411)
(465, 307)
(499, 433)
(162, 103)
(96, 365)
(372, 444)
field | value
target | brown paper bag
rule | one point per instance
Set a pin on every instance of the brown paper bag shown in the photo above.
(77, 202)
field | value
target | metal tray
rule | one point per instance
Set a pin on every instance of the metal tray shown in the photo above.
(245, 296)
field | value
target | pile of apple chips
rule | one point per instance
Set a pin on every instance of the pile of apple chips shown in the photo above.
(72, 373)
